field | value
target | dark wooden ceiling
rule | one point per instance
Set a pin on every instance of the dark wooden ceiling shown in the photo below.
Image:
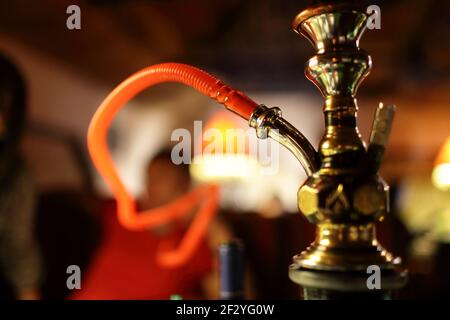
(249, 41)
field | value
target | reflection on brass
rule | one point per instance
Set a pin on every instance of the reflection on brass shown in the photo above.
(328, 198)
(332, 238)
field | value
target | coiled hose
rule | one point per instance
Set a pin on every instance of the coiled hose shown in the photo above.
(206, 196)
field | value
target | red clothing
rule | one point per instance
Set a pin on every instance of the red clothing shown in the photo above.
(125, 267)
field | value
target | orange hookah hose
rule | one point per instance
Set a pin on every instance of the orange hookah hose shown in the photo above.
(206, 196)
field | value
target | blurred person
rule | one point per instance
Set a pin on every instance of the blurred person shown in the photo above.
(125, 266)
(20, 259)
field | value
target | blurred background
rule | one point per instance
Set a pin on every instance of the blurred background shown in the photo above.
(251, 46)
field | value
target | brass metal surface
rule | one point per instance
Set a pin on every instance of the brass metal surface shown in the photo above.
(343, 194)
(268, 122)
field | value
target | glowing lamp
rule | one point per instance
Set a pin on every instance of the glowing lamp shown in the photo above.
(224, 152)
(441, 171)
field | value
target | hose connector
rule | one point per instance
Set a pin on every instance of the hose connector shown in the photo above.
(269, 122)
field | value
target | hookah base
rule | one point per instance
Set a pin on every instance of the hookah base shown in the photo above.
(339, 285)
(324, 294)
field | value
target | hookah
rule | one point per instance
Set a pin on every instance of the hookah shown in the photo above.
(343, 195)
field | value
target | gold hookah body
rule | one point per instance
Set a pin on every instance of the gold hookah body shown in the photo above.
(344, 194)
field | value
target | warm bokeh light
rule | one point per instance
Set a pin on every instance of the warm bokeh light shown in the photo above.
(222, 167)
(441, 171)
(224, 151)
